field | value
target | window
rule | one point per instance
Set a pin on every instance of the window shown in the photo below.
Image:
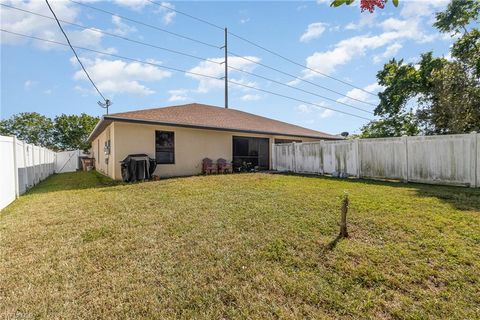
(165, 147)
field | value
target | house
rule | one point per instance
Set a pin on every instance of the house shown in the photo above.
(179, 137)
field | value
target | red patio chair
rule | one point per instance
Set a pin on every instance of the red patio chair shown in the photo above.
(208, 166)
(224, 166)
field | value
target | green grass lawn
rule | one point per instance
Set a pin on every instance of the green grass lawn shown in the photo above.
(256, 246)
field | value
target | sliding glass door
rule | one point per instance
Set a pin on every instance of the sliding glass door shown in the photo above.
(252, 152)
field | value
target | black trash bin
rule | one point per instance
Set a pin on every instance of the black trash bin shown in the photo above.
(137, 167)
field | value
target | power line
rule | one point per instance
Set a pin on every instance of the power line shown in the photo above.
(299, 64)
(75, 53)
(187, 15)
(183, 71)
(299, 79)
(298, 89)
(112, 55)
(261, 47)
(147, 25)
(209, 60)
(113, 35)
(298, 100)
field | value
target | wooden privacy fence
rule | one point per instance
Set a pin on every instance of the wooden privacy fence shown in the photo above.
(23, 165)
(448, 159)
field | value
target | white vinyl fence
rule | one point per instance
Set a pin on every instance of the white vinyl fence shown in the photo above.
(24, 165)
(68, 161)
(448, 159)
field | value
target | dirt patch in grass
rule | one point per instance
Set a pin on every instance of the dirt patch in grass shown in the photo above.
(239, 246)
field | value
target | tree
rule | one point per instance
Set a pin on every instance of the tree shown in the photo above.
(65, 132)
(30, 127)
(391, 127)
(436, 96)
(71, 131)
(457, 15)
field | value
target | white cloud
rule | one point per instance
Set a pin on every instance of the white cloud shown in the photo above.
(32, 25)
(251, 97)
(373, 87)
(28, 24)
(314, 31)
(407, 27)
(132, 4)
(121, 28)
(389, 52)
(361, 95)
(216, 70)
(321, 113)
(294, 82)
(117, 76)
(243, 82)
(326, 113)
(83, 91)
(344, 51)
(416, 9)
(178, 95)
(303, 108)
(168, 14)
(29, 83)
(366, 20)
(302, 7)
(244, 20)
(87, 37)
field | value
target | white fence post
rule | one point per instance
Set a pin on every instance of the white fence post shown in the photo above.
(25, 166)
(322, 157)
(33, 165)
(357, 156)
(294, 152)
(15, 166)
(477, 161)
(474, 161)
(405, 160)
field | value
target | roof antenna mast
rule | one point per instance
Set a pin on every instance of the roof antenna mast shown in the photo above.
(226, 68)
(105, 105)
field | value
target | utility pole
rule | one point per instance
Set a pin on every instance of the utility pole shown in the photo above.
(226, 69)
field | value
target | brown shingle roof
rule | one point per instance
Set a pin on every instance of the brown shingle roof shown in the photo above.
(211, 117)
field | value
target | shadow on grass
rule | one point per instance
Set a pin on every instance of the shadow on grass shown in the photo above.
(84, 180)
(73, 181)
(461, 198)
(324, 248)
(333, 243)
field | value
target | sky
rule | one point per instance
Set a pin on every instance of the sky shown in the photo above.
(338, 43)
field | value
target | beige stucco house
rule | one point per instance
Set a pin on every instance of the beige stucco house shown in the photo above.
(179, 137)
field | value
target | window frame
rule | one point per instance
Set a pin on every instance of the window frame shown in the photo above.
(172, 148)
